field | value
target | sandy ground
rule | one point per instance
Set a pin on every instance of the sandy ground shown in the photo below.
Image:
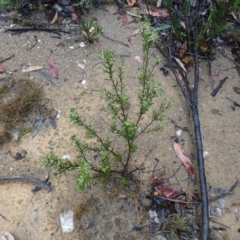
(110, 213)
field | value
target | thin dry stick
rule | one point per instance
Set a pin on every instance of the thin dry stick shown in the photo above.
(36, 181)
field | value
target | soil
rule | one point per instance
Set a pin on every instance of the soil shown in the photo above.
(112, 211)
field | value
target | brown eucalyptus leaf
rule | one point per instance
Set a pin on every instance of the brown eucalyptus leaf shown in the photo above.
(183, 49)
(236, 89)
(124, 18)
(54, 18)
(185, 160)
(180, 64)
(236, 203)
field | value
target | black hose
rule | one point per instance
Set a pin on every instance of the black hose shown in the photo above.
(202, 177)
(199, 146)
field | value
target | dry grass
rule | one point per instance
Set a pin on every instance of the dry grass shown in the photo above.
(18, 98)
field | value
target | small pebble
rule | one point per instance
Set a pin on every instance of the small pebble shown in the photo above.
(215, 212)
(160, 237)
(179, 132)
(82, 45)
(205, 154)
(222, 202)
(58, 114)
(65, 157)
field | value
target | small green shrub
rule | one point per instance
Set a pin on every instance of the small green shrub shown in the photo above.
(9, 4)
(90, 30)
(83, 5)
(113, 159)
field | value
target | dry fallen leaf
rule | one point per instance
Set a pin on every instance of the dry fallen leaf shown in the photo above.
(203, 46)
(52, 65)
(181, 64)
(54, 18)
(183, 49)
(234, 16)
(159, 13)
(217, 72)
(32, 68)
(183, 24)
(74, 16)
(124, 18)
(135, 33)
(159, 2)
(236, 89)
(186, 59)
(2, 69)
(130, 43)
(7, 236)
(185, 160)
(132, 2)
(81, 65)
(138, 58)
(236, 203)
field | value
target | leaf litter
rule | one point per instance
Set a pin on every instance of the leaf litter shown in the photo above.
(54, 68)
(31, 68)
(185, 160)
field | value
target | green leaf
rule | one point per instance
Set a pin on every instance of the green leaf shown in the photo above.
(163, 27)
(83, 177)
(133, 148)
(124, 181)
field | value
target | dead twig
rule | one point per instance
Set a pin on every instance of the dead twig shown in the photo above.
(6, 59)
(212, 220)
(225, 194)
(22, 30)
(115, 40)
(174, 200)
(215, 91)
(173, 173)
(234, 103)
(36, 181)
(3, 217)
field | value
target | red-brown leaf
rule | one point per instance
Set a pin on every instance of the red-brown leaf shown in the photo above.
(130, 43)
(52, 65)
(159, 13)
(74, 16)
(124, 18)
(236, 203)
(169, 192)
(2, 69)
(236, 89)
(183, 49)
(185, 160)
